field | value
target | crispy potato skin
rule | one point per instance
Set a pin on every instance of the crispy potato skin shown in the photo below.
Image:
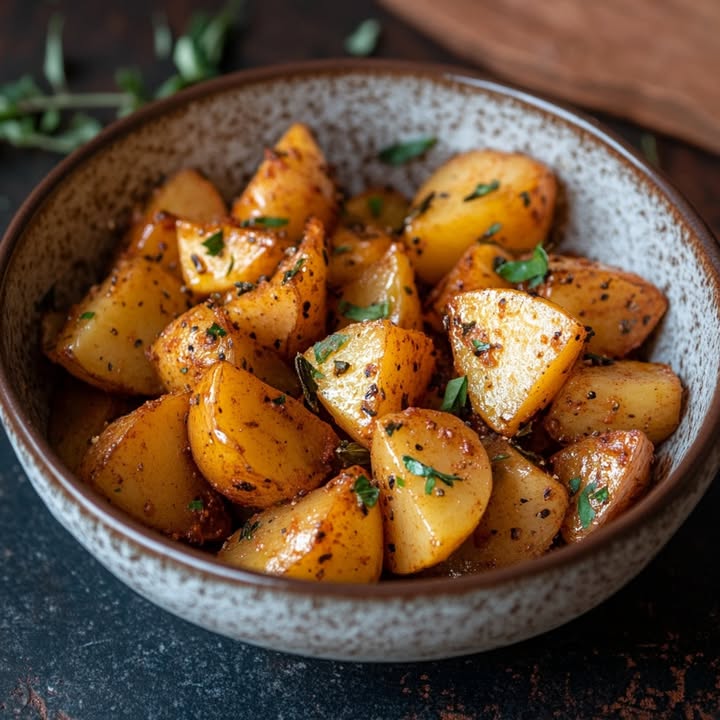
(328, 535)
(255, 445)
(611, 471)
(621, 308)
(626, 395)
(105, 336)
(293, 183)
(517, 214)
(423, 524)
(516, 350)
(377, 368)
(142, 464)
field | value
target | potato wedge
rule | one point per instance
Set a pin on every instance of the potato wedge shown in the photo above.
(186, 194)
(292, 184)
(155, 239)
(329, 535)
(475, 270)
(78, 413)
(376, 207)
(289, 312)
(604, 475)
(621, 308)
(142, 464)
(352, 249)
(203, 336)
(215, 256)
(625, 395)
(105, 336)
(384, 289)
(516, 350)
(367, 370)
(525, 513)
(478, 195)
(435, 483)
(256, 445)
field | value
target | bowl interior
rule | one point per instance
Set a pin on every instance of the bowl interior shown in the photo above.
(613, 210)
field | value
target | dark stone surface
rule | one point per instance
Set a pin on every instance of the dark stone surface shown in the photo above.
(76, 644)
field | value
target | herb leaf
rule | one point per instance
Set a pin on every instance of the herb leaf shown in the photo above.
(306, 374)
(364, 38)
(248, 530)
(480, 347)
(214, 244)
(375, 205)
(196, 505)
(586, 512)
(430, 473)
(265, 221)
(574, 485)
(351, 453)
(402, 152)
(376, 311)
(87, 315)
(216, 331)
(532, 271)
(162, 36)
(367, 493)
(455, 395)
(332, 343)
(288, 275)
(495, 228)
(54, 65)
(482, 189)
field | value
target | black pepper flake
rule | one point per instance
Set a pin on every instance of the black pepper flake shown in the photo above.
(324, 558)
(391, 547)
(543, 513)
(547, 493)
(515, 533)
(591, 395)
(197, 263)
(138, 343)
(371, 392)
(368, 411)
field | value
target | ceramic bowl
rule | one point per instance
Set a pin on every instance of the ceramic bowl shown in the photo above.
(615, 209)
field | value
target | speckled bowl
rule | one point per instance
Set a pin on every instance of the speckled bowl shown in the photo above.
(617, 210)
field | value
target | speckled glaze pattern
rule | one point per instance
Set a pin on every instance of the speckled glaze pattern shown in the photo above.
(615, 210)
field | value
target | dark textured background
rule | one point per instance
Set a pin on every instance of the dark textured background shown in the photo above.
(76, 644)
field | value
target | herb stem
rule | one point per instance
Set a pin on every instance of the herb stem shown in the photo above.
(63, 101)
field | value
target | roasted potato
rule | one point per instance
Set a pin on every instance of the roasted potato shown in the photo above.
(376, 207)
(155, 239)
(254, 444)
(435, 483)
(478, 195)
(516, 351)
(624, 395)
(332, 534)
(291, 185)
(352, 249)
(105, 336)
(142, 464)
(367, 370)
(604, 475)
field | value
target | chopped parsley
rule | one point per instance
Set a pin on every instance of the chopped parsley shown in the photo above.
(307, 374)
(402, 152)
(455, 395)
(532, 271)
(480, 347)
(499, 457)
(525, 196)
(341, 250)
(400, 482)
(375, 205)
(364, 38)
(265, 221)
(391, 427)
(421, 209)
(244, 286)
(587, 497)
(230, 266)
(376, 311)
(214, 244)
(332, 343)
(482, 189)
(293, 271)
(351, 453)
(367, 493)
(88, 315)
(248, 530)
(279, 400)
(574, 485)
(196, 505)
(429, 473)
(215, 331)
(495, 228)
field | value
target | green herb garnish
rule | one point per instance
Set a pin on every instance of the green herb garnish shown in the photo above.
(376, 311)
(215, 331)
(482, 189)
(598, 359)
(279, 400)
(420, 209)
(429, 473)
(162, 36)
(214, 244)
(391, 427)
(87, 315)
(400, 482)
(307, 374)
(525, 195)
(196, 505)
(243, 287)
(455, 395)
(248, 530)
(574, 485)
(532, 271)
(332, 343)
(264, 221)
(341, 249)
(375, 205)
(480, 347)
(589, 495)
(293, 271)
(351, 453)
(495, 228)
(364, 38)
(403, 152)
(367, 493)
(499, 457)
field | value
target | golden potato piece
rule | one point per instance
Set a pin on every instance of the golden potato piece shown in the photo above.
(478, 195)
(215, 256)
(604, 475)
(332, 534)
(155, 239)
(475, 270)
(367, 370)
(377, 207)
(525, 512)
(384, 289)
(624, 395)
(288, 312)
(254, 444)
(435, 483)
(516, 350)
(352, 249)
(292, 184)
(142, 464)
(106, 334)
(203, 336)
(621, 308)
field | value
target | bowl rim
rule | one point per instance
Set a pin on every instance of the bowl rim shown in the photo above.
(207, 566)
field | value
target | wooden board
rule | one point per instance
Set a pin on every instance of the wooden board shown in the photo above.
(653, 61)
